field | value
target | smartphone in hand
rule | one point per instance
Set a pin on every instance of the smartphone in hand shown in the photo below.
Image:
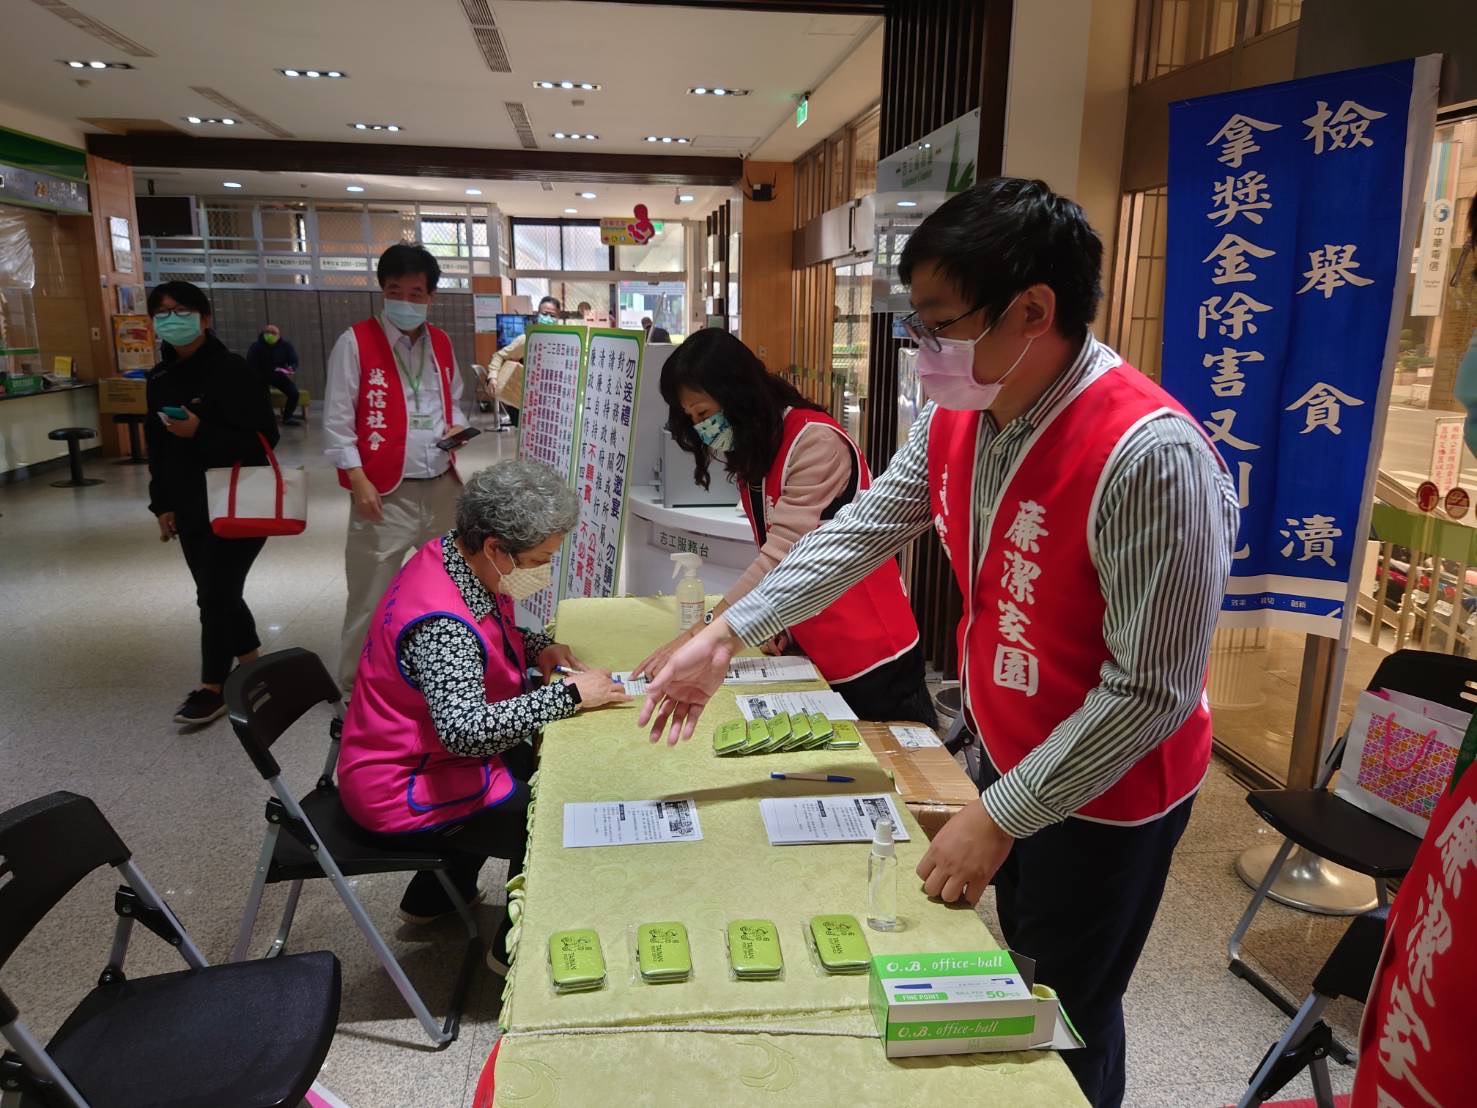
(174, 411)
(461, 438)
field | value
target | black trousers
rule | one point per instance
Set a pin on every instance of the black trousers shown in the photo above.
(219, 567)
(499, 832)
(288, 386)
(893, 691)
(1080, 897)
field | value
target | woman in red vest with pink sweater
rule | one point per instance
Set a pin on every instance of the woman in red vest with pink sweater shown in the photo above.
(795, 468)
(1090, 525)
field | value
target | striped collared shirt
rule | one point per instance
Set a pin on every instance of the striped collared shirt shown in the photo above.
(1166, 528)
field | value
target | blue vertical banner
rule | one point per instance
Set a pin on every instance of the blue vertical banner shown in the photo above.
(1291, 224)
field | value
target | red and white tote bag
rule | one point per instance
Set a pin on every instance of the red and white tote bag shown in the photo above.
(257, 502)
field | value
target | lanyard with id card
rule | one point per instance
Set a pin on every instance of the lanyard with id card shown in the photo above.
(418, 420)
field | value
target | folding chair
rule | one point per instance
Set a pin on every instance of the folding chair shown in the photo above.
(1331, 827)
(243, 1035)
(1308, 1041)
(265, 698)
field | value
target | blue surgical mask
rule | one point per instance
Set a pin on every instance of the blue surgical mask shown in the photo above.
(545, 317)
(404, 314)
(177, 330)
(716, 432)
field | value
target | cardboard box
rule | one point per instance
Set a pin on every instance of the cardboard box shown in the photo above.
(123, 396)
(931, 783)
(964, 1002)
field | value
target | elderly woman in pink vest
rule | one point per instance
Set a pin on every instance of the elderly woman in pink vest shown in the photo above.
(436, 743)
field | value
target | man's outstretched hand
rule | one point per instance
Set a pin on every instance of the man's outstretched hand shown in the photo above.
(676, 699)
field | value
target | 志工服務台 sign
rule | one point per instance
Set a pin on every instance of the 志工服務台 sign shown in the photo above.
(1291, 224)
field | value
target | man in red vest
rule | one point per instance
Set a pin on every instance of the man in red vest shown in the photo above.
(1090, 526)
(393, 393)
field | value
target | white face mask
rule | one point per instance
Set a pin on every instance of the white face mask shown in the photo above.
(405, 315)
(522, 582)
(947, 374)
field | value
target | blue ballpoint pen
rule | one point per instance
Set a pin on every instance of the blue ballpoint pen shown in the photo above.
(835, 778)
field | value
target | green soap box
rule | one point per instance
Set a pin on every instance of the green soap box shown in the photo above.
(965, 1002)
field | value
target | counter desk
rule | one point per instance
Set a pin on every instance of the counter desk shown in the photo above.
(655, 532)
(806, 1038)
(26, 419)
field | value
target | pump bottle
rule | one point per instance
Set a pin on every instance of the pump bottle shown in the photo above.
(690, 594)
(882, 879)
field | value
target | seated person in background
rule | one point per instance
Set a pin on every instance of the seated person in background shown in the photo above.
(436, 740)
(509, 360)
(653, 332)
(275, 359)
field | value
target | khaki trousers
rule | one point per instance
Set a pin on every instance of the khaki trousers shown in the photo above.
(414, 514)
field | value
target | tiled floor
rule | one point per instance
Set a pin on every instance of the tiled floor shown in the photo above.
(100, 644)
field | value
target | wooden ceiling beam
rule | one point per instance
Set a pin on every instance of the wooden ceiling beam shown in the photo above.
(397, 160)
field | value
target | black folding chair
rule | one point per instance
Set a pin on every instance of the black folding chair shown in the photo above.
(1331, 827)
(247, 1034)
(265, 698)
(1308, 1041)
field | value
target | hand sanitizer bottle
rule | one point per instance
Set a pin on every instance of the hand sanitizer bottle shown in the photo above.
(690, 594)
(882, 879)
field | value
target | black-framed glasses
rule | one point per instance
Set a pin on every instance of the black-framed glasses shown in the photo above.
(181, 312)
(926, 336)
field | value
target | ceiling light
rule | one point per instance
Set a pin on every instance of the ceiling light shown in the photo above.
(192, 119)
(566, 84)
(474, 192)
(232, 184)
(361, 126)
(228, 123)
(75, 63)
(571, 211)
(376, 126)
(335, 74)
(310, 73)
(587, 86)
(210, 121)
(699, 91)
(686, 198)
(575, 135)
(353, 188)
(289, 73)
(907, 203)
(708, 90)
(585, 195)
(668, 139)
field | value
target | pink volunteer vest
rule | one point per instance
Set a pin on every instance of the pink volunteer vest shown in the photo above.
(393, 773)
(380, 419)
(1031, 642)
(871, 622)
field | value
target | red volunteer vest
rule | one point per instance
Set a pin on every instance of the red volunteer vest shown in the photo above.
(380, 420)
(871, 622)
(1031, 641)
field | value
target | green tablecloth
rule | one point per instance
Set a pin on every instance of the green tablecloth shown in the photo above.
(712, 1037)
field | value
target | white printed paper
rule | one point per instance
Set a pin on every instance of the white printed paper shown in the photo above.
(744, 671)
(767, 705)
(913, 738)
(631, 822)
(847, 818)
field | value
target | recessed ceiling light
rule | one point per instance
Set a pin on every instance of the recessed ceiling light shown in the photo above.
(289, 72)
(311, 73)
(571, 211)
(585, 195)
(228, 123)
(668, 139)
(587, 86)
(376, 126)
(353, 188)
(575, 135)
(209, 121)
(75, 63)
(907, 203)
(335, 74)
(685, 198)
(192, 119)
(232, 184)
(708, 90)
(474, 192)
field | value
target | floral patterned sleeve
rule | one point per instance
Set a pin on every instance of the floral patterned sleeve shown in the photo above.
(444, 659)
(534, 643)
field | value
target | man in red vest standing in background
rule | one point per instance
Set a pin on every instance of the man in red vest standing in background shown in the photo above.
(393, 393)
(1090, 526)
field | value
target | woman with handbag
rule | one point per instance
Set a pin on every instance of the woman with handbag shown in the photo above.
(207, 410)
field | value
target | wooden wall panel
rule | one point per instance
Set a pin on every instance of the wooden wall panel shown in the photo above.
(765, 271)
(110, 186)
